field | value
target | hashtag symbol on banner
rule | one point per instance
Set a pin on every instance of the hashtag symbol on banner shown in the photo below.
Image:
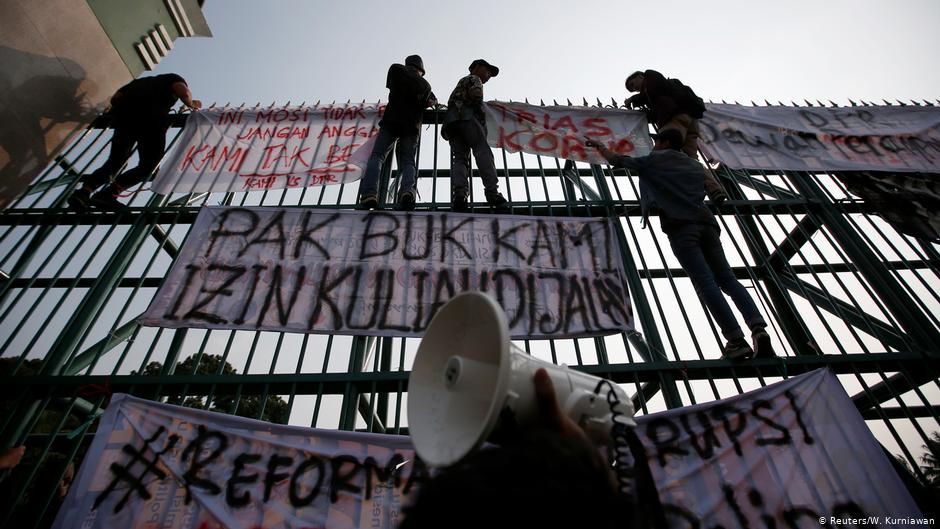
(126, 473)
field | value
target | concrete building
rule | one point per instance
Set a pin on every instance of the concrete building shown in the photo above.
(60, 62)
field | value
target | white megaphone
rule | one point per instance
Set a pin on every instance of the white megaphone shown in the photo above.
(468, 377)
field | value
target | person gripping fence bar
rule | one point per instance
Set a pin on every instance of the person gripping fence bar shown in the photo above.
(671, 184)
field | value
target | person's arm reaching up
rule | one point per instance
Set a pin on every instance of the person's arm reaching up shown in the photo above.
(614, 158)
(182, 91)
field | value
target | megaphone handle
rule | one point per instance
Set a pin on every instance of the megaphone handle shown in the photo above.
(591, 413)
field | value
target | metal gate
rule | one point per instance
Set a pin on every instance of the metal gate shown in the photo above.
(839, 286)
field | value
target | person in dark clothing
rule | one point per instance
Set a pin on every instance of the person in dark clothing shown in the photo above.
(408, 95)
(552, 465)
(41, 484)
(673, 184)
(465, 129)
(672, 106)
(139, 114)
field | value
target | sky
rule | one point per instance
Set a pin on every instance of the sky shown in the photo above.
(304, 51)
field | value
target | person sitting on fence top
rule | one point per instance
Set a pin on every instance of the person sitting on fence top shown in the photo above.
(139, 114)
(673, 105)
(409, 94)
(465, 129)
(671, 183)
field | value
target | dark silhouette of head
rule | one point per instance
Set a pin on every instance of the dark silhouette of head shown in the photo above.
(483, 69)
(634, 82)
(416, 62)
(668, 139)
(543, 480)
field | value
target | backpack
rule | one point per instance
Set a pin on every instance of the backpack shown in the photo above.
(686, 99)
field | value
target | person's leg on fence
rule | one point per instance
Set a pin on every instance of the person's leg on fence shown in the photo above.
(686, 245)
(151, 145)
(405, 151)
(486, 163)
(368, 187)
(729, 284)
(459, 165)
(122, 146)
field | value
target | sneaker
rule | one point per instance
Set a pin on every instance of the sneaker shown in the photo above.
(106, 200)
(367, 202)
(718, 197)
(497, 200)
(80, 199)
(460, 204)
(406, 201)
(737, 349)
(762, 346)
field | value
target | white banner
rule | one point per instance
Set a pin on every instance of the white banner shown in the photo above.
(875, 138)
(559, 131)
(237, 149)
(795, 454)
(384, 274)
(155, 465)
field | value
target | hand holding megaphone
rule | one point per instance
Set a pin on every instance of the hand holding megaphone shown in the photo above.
(469, 381)
(551, 415)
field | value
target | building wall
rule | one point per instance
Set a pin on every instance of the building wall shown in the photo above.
(60, 62)
(58, 68)
(125, 27)
(144, 35)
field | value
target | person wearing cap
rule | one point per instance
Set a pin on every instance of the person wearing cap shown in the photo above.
(408, 95)
(139, 114)
(672, 184)
(673, 105)
(465, 129)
